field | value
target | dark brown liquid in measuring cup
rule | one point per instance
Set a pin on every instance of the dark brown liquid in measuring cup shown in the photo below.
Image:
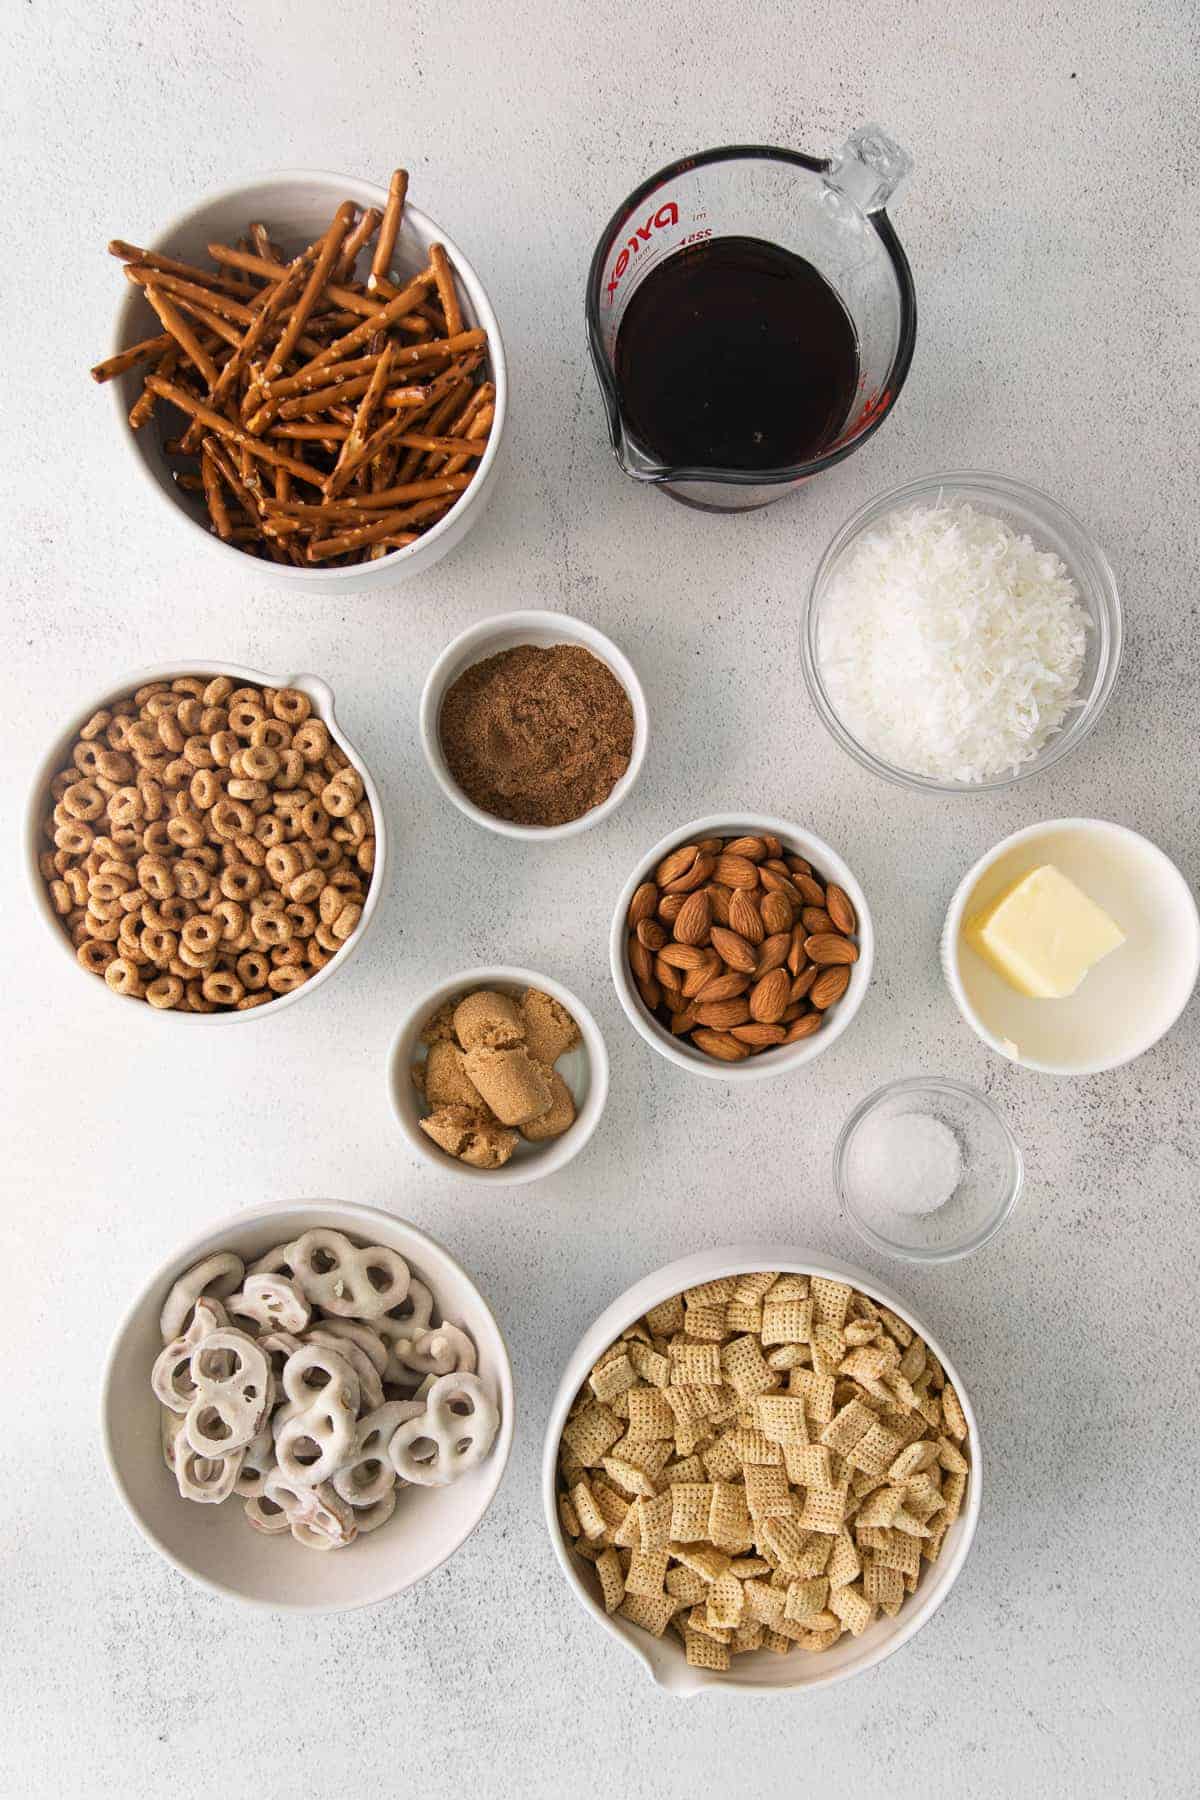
(735, 355)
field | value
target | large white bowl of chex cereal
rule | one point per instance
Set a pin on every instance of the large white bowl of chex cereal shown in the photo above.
(761, 1472)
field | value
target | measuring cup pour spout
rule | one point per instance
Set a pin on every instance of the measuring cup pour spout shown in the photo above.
(826, 220)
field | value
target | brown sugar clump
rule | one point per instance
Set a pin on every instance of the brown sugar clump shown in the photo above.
(550, 1031)
(487, 1021)
(447, 1082)
(560, 1114)
(513, 1085)
(470, 1136)
(536, 735)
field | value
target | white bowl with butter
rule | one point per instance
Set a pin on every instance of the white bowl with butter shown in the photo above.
(1129, 993)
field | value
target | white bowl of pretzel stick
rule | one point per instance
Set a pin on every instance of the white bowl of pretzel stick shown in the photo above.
(297, 206)
(214, 1544)
(759, 1670)
(320, 699)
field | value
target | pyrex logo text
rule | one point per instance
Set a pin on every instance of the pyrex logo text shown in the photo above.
(667, 214)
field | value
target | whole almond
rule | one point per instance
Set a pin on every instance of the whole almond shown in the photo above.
(775, 883)
(696, 980)
(776, 910)
(694, 918)
(683, 1021)
(829, 986)
(769, 997)
(803, 1027)
(759, 1037)
(797, 865)
(774, 952)
(752, 847)
(672, 997)
(682, 956)
(639, 960)
(793, 1011)
(725, 986)
(664, 974)
(736, 872)
(796, 958)
(774, 847)
(670, 907)
(651, 993)
(803, 982)
(675, 864)
(719, 1015)
(710, 846)
(744, 917)
(810, 890)
(643, 903)
(719, 899)
(837, 903)
(720, 1044)
(651, 933)
(815, 918)
(733, 949)
(777, 863)
(827, 947)
(691, 878)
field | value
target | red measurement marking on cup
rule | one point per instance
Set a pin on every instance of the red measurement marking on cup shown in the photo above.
(667, 214)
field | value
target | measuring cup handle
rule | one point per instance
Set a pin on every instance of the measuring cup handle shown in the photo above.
(869, 168)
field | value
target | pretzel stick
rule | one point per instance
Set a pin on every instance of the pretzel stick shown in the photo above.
(449, 446)
(385, 243)
(260, 237)
(374, 533)
(184, 336)
(214, 499)
(457, 426)
(167, 265)
(351, 505)
(479, 428)
(275, 301)
(141, 276)
(142, 410)
(145, 351)
(446, 346)
(315, 433)
(327, 375)
(206, 415)
(363, 232)
(394, 310)
(331, 244)
(248, 500)
(345, 297)
(401, 397)
(447, 293)
(350, 454)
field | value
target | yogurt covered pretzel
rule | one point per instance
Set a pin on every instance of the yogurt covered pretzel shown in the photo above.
(444, 1350)
(219, 1275)
(272, 1302)
(452, 1435)
(337, 1276)
(171, 1375)
(228, 1407)
(369, 1476)
(321, 1417)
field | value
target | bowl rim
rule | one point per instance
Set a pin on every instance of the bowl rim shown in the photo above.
(951, 944)
(320, 692)
(576, 631)
(1092, 573)
(787, 1056)
(913, 1084)
(356, 1216)
(555, 1153)
(362, 193)
(706, 1265)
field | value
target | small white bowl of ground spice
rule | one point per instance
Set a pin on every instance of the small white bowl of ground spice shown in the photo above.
(534, 724)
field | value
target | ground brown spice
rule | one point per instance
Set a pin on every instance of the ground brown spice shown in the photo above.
(537, 736)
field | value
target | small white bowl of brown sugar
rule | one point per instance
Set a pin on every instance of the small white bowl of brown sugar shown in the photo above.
(498, 1075)
(534, 724)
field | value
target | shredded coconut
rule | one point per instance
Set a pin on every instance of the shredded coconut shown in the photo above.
(950, 645)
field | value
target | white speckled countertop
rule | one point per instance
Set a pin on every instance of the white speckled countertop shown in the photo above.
(1051, 227)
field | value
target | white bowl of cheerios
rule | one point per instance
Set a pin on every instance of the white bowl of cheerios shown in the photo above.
(205, 840)
(309, 1407)
(761, 1472)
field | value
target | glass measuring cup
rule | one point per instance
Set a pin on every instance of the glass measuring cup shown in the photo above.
(829, 212)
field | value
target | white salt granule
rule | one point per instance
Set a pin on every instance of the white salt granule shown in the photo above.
(906, 1163)
(949, 644)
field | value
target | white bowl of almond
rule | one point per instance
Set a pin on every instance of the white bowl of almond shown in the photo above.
(498, 1075)
(742, 946)
(760, 1472)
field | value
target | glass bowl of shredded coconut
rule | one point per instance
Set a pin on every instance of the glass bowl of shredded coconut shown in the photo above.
(962, 633)
(927, 1169)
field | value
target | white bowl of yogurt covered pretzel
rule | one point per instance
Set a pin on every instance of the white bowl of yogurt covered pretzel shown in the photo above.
(309, 1407)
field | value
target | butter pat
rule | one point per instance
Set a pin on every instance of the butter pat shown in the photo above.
(1043, 934)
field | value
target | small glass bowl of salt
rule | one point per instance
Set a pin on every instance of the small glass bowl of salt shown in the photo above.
(927, 1169)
